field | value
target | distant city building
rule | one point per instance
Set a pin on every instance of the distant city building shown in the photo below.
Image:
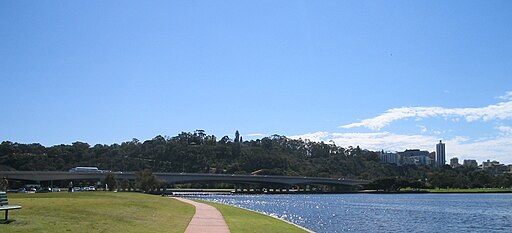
(392, 158)
(440, 154)
(432, 156)
(414, 157)
(489, 164)
(454, 162)
(470, 163)
(494, 167)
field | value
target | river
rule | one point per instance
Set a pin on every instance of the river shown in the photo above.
(383, 212)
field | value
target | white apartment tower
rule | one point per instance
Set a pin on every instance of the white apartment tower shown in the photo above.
(440, 154)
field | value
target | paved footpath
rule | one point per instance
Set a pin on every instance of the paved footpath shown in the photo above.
(206, 219)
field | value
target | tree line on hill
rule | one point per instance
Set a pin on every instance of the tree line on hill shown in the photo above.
(197, 152)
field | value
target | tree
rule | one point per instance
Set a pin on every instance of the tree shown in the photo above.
(4, 184)
(237, 136)
(385, 184)
(146, 181)
(125, 185)
(199, 136)
(111, 181)
(224, 140)
(416, 184)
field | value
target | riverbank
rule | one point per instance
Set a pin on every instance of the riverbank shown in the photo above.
(449, 190)
(123, 212)
(473, 190)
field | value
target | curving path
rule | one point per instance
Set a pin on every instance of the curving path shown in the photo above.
(206, 219)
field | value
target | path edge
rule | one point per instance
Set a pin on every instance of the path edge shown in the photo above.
(285, 221)
(192, 200)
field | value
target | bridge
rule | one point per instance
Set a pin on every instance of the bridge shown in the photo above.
(180, 178)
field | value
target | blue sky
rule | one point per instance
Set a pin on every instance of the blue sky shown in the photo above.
(383, 75)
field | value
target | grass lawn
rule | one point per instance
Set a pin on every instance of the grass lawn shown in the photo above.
(96, 212)
(240, 220)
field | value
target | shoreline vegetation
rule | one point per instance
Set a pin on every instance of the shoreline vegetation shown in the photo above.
(470, 190)
(438, 190)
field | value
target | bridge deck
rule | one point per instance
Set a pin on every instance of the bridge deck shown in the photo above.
(183, 178)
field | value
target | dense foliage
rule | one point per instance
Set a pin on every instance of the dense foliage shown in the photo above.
(197, 153)
(200, 153)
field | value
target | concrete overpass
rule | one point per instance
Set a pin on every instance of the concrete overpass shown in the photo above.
(177, 178)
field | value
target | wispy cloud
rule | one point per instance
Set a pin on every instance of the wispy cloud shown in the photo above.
(423, 128)
(506, 96)
(374, 141)
(317, 136)
(505, 129)
(255, 135)
(499, 111)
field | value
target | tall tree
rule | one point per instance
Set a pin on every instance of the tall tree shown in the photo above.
(237, 136)
(111, 181)
(146, 181)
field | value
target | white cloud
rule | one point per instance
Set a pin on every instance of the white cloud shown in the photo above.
(374, 141)
(505, 129)
(255, 135)
(506, 96)
(318, 136)
(497, 148)
(500, 111)
(423, 128)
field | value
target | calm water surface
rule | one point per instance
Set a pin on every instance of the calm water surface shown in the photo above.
(384, 212)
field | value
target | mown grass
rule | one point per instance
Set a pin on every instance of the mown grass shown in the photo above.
(241, 221)
(97, 212)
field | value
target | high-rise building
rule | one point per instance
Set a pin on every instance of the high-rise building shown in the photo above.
(440, 154)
